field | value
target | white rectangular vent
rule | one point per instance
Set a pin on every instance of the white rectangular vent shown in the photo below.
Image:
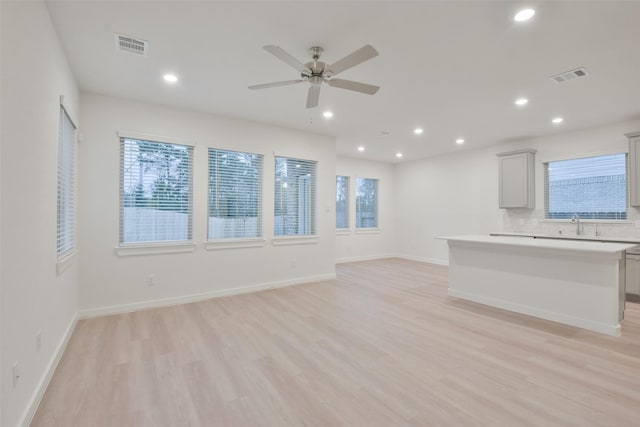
(131, 45)
(570, 75)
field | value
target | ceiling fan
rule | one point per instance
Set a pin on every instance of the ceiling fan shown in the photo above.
(316, 71)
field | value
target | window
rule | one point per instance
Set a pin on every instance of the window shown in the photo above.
(66, 184)
(366, 203)
(342, 201)
(155, 192)
(592, 187)
(235, 194)
(294, 197)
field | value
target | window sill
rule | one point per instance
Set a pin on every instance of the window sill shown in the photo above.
(294, 240)
(343, 232)
(65, 262)
(375, 230)
(588, 221)
(157, 249)
(218, 244)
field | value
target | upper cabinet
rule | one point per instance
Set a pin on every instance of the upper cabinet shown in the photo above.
(634, 168)
(516, 182)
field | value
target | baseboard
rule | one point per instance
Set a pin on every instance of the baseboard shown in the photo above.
(363, 258)
(38, 394)
(184, 299)
(542, 314)
(444, 262)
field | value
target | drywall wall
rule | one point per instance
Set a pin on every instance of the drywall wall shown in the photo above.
(34, 297)
(458, 193)
(112, 283)
(446, 195)
(354, 244)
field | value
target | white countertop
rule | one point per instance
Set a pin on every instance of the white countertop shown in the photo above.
(613, 239)
(555, 244)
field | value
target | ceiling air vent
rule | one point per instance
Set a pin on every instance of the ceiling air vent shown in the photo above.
(570, 75)
(131, 45)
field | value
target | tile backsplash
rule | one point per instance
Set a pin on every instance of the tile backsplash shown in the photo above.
(532, 221)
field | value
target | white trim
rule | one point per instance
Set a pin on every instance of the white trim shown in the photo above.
(436, 261)
(211, 245)
(163, 302)
(38, 394)
(155, 249)
(369, 230)
(154, 138)
(364, 258)
(343, 231)
(294, 240)
(539, 313)
(65, 262)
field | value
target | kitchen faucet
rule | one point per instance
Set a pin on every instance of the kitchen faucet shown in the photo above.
(576, 220)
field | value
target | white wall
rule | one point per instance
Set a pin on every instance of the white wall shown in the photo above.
(458, 193)
(34, 75)
(353, 245)
(111, 283)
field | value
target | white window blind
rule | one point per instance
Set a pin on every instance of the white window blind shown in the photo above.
(155, 192)
(294, 197)
(66, 184)
(342, 202)
(235, 194)
(592, 187)
(366, 203)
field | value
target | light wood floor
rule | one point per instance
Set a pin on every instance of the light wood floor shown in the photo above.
(382, 345)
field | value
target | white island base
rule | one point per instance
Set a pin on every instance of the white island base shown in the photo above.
(573, 282)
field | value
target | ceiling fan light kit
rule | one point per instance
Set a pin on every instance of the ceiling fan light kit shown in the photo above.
(316, 72)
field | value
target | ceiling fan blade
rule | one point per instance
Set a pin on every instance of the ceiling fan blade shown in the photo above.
(313, 96)
(359, 56)
(281, 54)
(267, 85)
(355, 86)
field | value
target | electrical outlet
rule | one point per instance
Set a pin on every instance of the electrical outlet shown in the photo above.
(16, 374)
(38, 341)
(151, 280)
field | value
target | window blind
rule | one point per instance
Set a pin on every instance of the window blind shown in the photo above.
(366, 203)
(592, 187)
(155, 192)
(235, 194)
(66, 185)
(342, 202)
(294, 197)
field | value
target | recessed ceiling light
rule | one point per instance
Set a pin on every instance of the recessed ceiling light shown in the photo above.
(557, 120)
(361, 148)
(327, 114)
(459, 141)
(418, 131)
(398, 155)
(524, 15)
(521, 101)
(170, 78)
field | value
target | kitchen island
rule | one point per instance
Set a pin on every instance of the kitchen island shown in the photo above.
(579, 283)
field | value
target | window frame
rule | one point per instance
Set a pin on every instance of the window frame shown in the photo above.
(358, 226)
(229, 242)
(545, 178)
(312, 212)
(66, 190)
(347, 205)
(155, 246)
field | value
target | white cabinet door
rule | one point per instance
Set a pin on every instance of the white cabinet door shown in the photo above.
(633, 275)
(634, 169)
(516, 184)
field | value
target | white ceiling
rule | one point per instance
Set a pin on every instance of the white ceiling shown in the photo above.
(453, 68)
